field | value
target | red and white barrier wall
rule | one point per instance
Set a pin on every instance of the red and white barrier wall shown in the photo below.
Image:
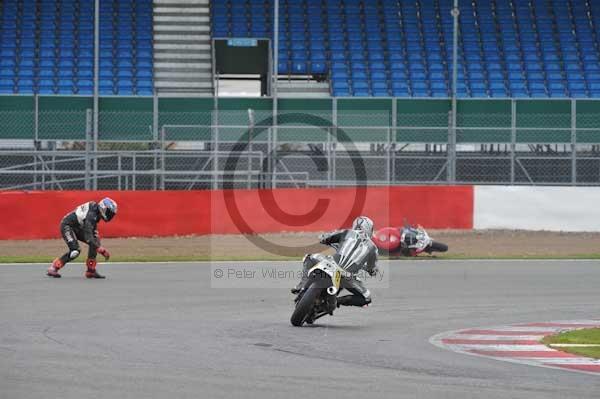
(37, 214)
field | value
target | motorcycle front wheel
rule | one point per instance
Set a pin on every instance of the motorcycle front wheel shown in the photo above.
(305, 306)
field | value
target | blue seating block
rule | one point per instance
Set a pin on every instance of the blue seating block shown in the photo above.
(52, 53)
(403, 49)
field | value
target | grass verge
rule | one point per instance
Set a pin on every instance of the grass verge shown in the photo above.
(586, 336)
(191, 258)
(48, 259)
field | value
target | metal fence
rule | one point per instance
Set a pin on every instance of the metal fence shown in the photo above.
(395, 142)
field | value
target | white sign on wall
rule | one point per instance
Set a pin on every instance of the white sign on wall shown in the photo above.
(537, 208)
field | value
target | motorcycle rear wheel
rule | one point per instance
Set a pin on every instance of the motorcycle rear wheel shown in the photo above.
(305, 305)
(437, 246)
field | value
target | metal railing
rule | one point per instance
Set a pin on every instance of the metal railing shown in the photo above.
(246, 149)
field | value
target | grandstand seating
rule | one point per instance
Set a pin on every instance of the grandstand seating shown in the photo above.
(507, 48)
(47, 47)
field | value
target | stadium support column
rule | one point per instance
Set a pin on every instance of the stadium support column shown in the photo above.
(250, 134)
(513, 139)
(573, 141)
(274, 88)
(36, 140)
(452, 139)
(160, 140)
(214, 122)
(215, 143)
(334, 135)
(96, 76)
(392, 142)
(88, 142)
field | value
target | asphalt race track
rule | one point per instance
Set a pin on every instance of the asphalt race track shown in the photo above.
(161, 331)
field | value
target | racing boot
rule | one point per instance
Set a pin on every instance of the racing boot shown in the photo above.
(296, 290)
(57, 264)
(307, 263)
(352, 300)
(300, 286)
(91, 269)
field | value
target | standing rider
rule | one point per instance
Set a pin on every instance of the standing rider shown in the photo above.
(81, 225)
(354, 252)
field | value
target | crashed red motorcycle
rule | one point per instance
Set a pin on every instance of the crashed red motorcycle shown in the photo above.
(406, 241)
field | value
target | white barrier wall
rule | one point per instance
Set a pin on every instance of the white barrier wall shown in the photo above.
(537, 208)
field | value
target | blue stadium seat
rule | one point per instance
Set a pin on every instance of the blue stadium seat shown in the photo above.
(56, 42)
(503, 49)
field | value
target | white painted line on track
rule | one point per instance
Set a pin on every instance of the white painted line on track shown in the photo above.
(549, 329)
(492, 347)
(587, 360)
(502, 337)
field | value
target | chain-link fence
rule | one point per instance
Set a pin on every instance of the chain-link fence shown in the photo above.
(337, 143)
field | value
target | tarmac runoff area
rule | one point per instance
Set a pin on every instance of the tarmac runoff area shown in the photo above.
(165, 330)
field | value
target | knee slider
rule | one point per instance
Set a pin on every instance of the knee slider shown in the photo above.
(74, 254)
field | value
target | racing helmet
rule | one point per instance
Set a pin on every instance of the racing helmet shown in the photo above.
(364, 224)
(408, 239)
(108, 209)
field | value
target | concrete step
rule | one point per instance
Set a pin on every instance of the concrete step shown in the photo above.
(183, 26)
(191, 84)
(183, 64)
(183, 29)
(159, 72)
(181, 47)
(200, 54)
(179, 65)
(300, 88)
(191, 71)
(182, 2)
(186, 23)
(302, 91)
(184, 75)
(181, 11)
(192, 19)
(303, 87)
(159, 19)
(186, 56)
(196, 38)
(185, 93)
(165, 73)
(304, 95)
(190, 78)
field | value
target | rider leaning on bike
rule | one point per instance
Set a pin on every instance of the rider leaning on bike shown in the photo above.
(355, 251)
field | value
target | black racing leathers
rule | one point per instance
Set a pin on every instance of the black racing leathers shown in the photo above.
(354, 252)
(81, 225)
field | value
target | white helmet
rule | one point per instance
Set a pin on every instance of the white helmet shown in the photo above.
(363, 223)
